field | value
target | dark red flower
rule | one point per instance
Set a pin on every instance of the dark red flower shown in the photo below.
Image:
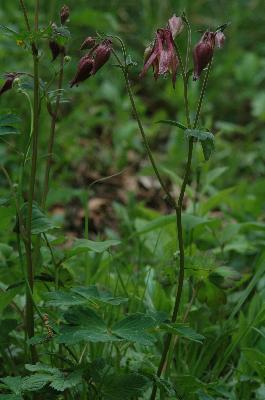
(88, 43)
(84, 70)
(203, 53)
(93, 61)
(162, 56)
(101, 54)
(56, 49)
(64, 14)
(8, 84)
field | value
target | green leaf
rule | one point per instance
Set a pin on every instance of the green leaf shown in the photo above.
(127, 386)
(35, 382)
(61, 382)
(13, 383)
(83, 325)
(8, 130)
(7, 31)
(94, 294)
(189, 221)
(62, 299)
(8, 124)
(256, 360)
(172, 123)
(10, 397)
(133, 328)
(84, 245)
(211, 294)
(6, 297)
(39, 367)
(182, 330)
(165, 385)
(224, 277)
(206, 139)
(40, 222)
(38, 339)
(9, 119)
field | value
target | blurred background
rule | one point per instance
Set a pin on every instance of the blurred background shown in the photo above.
(96, 133)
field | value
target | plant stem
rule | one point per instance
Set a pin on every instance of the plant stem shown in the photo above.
(31, 193)
(185, 85)
(149, 152)
(52, 134)
(24, 10)
(163, 360)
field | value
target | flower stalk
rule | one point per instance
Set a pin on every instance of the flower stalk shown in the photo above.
(177, 205)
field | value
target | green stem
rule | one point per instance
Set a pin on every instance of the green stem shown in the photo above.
(145, 141)
(185, 84)
(163, 360)
(31, 193)
(52, 134)
(24, 10)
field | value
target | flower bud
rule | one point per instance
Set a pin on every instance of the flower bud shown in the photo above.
(101, 54)
(64, 14)
(203, 53)
(219, 39)
(84, 70)
(88, 43)
(56, 49)
(67, 59)
(175, 25)
(8, 84)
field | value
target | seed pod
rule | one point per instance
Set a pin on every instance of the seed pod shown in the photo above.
(56, 49)
(88, 43)
(202, 53)
(64, 14)
(101, 54)
(84, 70)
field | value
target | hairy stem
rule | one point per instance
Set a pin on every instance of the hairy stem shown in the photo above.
(163, 360)
(52, 134)
(145, 141)
(31, 192)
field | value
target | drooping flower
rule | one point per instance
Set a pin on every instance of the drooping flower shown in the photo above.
(56, 49)
(8, 84)
(64, 14)
(93, 61)
(162, 57)
(88, 43)
(84, 70)
(203, 53)
(101, 54)
(176, 25)
(219, 39)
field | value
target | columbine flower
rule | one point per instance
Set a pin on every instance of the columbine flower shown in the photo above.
(88, 43)
(162, 57)
(202, 53)
(56, 49)
(64, 14)
(93, 61)
(176, 25)
(10, 77)
(219, 39)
